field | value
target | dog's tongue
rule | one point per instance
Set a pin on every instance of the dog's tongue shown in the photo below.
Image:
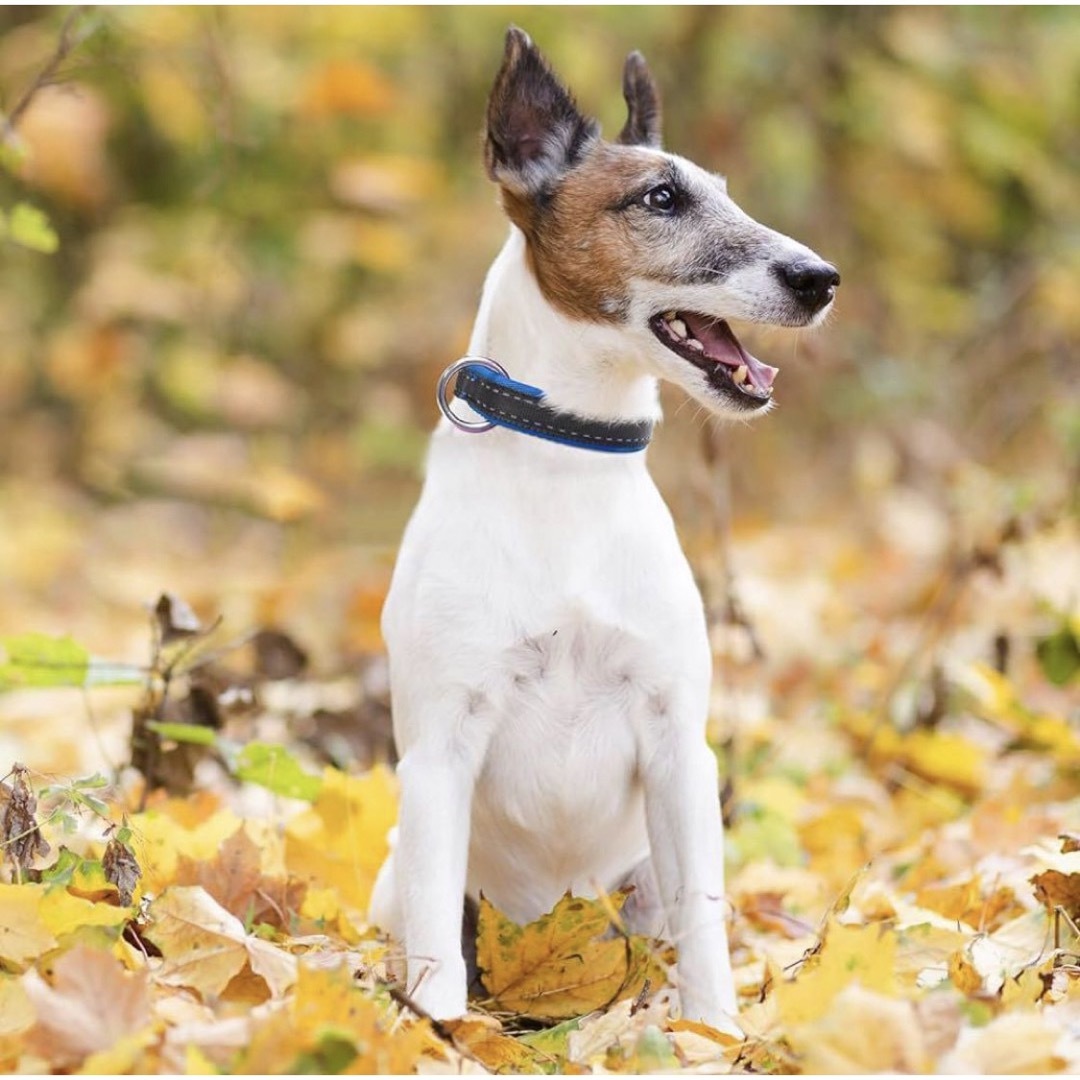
(725, 348)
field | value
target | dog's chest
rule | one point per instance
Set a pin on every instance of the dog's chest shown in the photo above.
(560, 791)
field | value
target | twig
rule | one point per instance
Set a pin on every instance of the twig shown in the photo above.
(401, 998)
(64, 47)
(440, 1029)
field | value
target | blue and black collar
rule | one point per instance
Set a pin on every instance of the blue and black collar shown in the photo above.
(504, 402)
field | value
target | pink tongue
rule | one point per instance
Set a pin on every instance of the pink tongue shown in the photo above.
(724, 347)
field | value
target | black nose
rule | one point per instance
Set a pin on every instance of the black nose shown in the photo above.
(813, 282)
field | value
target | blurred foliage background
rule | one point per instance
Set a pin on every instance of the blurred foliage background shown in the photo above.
(271, 227)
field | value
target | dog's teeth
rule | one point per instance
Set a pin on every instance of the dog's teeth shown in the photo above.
(741, 373)
(669, 315)
(694, 344)
(678, 328)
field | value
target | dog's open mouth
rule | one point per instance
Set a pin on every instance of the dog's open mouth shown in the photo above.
(709, 344)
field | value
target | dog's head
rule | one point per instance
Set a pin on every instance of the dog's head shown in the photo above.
(626, 235)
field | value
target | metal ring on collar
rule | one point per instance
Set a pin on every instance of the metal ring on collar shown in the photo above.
(473, 426)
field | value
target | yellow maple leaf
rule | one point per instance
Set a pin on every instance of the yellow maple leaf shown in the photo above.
(159, 838)
(558, 966)
(485, 1042)
(329, 1024)
(849, 954)
(35, 917)
(23, 936)
(340, 842)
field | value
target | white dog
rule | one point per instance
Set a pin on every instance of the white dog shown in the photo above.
(550, 666)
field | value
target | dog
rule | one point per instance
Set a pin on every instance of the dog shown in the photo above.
(549, 661)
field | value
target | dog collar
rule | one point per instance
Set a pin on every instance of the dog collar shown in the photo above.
(503, 402)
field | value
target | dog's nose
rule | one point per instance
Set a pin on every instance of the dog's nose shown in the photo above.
(813, 281)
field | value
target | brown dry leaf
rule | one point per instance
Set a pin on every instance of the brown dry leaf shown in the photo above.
(234, 878)
(92, 1004)
(1055, 889)
(175, 619)
(765, 910)
(204, 946)
(862, 1032)
(20, 838)
(121, 869)
(557, 967)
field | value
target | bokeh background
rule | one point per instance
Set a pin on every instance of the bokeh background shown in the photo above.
(271, 227)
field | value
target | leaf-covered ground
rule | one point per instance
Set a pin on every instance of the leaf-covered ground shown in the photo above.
(897, 718)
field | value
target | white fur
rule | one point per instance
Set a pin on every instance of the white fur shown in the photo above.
(550, 665)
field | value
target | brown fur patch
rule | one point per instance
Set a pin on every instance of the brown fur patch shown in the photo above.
(583, 249)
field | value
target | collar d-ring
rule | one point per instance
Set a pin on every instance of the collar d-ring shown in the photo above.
(473, 426)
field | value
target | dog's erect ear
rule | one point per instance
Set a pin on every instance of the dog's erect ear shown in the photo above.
(642, 126)
(535, 133)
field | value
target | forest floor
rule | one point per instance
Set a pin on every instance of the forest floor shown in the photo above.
(892, 708)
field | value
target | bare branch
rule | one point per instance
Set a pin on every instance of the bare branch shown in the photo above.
(67, 43)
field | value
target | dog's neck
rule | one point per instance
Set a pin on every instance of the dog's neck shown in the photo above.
(581, 367)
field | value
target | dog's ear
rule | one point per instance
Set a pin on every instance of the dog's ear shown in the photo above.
(535, 133)
(642, 127)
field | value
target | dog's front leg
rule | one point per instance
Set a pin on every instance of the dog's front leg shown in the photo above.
(433, 846)
(686, 837)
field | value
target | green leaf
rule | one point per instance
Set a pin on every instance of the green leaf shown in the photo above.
(12, 151)
(31, 228)
(197, 734)
(1059, 656)
(554, 1040)
(37, 660)
(62, 871)
(273, 767)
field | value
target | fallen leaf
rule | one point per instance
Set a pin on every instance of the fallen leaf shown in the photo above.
(20, 838)
(479, 1039)
(1055, 889)
(329, 1024)
(1019, 1042)
(765, 910)
(234, 878)
(341, 841)
(864, 955)
(558, 966)
(204, 947)
(92, 1004)
(121, 869)
(195, 827)
(963, 974)
(862, 1032)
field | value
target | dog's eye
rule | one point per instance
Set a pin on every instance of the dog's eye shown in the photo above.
(662, 199)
